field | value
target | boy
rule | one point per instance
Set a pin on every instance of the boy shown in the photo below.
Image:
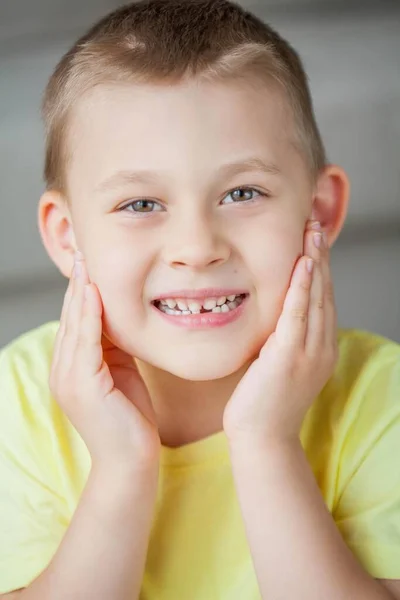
(196, 426)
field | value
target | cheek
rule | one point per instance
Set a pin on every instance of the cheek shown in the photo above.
(120, 282)
(117, 273)
(271, 260)
(272, 266)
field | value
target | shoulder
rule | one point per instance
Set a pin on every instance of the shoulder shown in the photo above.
(362, 351)
(31, 347)
(37, 477)
(36, 437)
(361, 476)
(25, 362)
(364, 395)
(367, 370)
(366, 381)
(26, 405)
(357, 412)
(367, 374)
(364, 390)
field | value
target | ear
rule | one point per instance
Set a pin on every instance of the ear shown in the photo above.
(331, 200)
(56, 230)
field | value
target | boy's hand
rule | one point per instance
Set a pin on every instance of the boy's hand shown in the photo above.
(98, 385)
(271, 400)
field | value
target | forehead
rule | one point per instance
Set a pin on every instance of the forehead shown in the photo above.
(180, 129)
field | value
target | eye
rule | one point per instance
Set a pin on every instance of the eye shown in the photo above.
(143, 203)
(244, 189)
(145, 206)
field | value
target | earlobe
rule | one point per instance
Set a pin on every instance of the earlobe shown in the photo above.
(331, 200)
(56, 230)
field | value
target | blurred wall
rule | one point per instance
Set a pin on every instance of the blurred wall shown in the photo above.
(351, 52)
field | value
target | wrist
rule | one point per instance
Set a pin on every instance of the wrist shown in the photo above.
(244, 447)
(123, 474)
(113, 492)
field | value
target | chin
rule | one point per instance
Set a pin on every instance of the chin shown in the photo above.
(200, 367)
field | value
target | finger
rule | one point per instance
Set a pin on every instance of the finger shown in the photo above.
(316, 315)
(314, 225)
(90, 348)
(330, 338)
(61, 328)
(292, 325)
(329, 296)
(74, 313)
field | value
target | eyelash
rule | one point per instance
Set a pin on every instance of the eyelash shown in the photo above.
(242, 188)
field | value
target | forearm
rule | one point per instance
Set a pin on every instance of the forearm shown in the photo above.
(103, 552)
(296, 547)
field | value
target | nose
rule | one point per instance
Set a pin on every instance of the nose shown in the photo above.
(196, 242)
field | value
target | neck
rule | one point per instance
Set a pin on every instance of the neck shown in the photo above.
(186, 410)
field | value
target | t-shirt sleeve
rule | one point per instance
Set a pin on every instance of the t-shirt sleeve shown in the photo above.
(367, 506)
(33, 514)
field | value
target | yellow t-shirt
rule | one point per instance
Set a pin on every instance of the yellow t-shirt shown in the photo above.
(198, 548)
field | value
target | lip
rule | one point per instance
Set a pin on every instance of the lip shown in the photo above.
(201, 294)
(205, 320)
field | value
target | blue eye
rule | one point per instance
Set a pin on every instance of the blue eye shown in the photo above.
(146, 204)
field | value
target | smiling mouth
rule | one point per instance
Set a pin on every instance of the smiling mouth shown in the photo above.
(227, 306)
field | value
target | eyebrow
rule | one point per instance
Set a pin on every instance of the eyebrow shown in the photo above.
(147, 176)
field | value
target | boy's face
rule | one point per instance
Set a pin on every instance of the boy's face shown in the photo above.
(192, 233)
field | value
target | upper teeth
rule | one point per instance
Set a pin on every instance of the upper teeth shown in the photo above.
(196, 305)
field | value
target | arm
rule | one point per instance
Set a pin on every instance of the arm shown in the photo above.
(296, 547)
(102, 554)
(97, 385)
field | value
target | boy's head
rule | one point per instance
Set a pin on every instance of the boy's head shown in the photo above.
(182, 89)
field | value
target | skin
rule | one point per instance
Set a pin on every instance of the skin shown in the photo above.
(196, 235)
(197, 241)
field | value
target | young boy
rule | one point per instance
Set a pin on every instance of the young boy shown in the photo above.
(196, 426)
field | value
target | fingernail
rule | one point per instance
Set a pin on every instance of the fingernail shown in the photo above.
(310, 264)
(78, 257)
(315, 225)
(317, 239)
(77, 269)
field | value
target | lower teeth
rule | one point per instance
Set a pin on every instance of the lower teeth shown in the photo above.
(227, 307)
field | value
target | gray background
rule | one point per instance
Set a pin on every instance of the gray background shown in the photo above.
(351, 52)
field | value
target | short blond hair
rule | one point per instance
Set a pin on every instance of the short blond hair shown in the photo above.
(164, 41)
